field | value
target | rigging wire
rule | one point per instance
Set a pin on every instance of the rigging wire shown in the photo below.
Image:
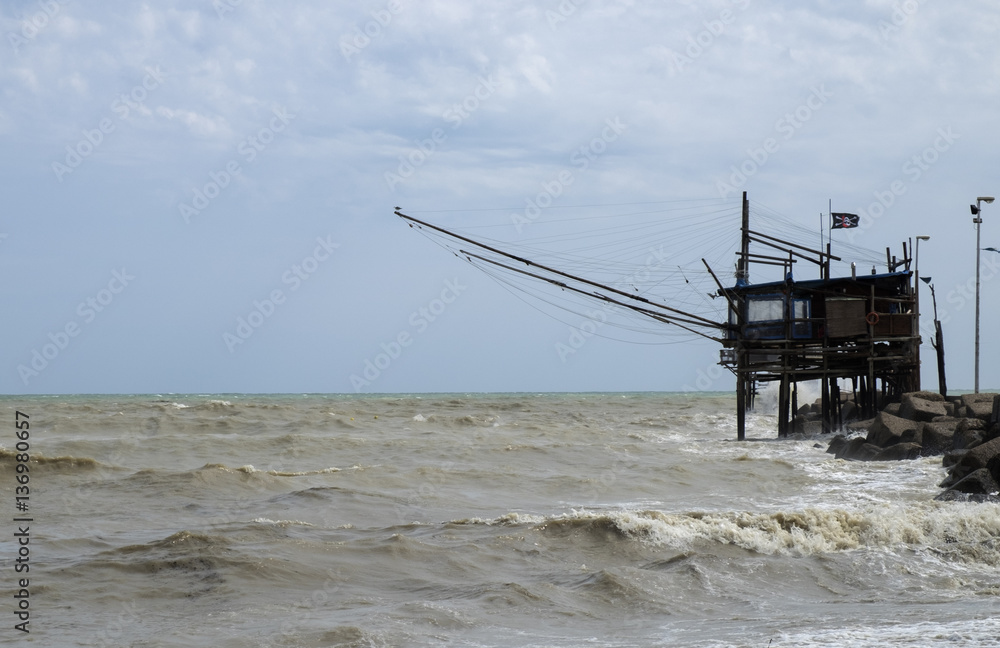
(655, 255)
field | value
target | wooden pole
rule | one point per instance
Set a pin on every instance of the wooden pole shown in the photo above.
(743, 271)
(795, 403)
(939, 347)
(741, 396)
(742, 276)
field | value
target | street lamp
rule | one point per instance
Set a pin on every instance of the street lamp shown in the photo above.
(978, 221)
(916, 304)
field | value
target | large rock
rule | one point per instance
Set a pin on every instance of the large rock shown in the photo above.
(899, 452)
(857, 426)
(978, 482)
(979, 457)
(968, 434)
(921, 409)
(937, 437)
(979, 406)
(810, 428)
(888, 429)
(934, 397)
(858, 449)
(836, 443)
(892, 408)
(953, 457)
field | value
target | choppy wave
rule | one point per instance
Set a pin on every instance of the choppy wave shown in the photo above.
(520, 520)
(960, 532)
(64, 464)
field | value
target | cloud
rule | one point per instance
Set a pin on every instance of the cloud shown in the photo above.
(557, 81)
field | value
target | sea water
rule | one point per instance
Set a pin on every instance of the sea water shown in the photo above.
(475, 520)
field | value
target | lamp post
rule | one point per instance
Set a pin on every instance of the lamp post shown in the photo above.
(978, 221)
(916, 300)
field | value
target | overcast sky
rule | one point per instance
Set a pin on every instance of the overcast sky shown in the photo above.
(198, 196)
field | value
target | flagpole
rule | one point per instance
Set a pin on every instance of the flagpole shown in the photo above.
(830, 207)
(821, 241)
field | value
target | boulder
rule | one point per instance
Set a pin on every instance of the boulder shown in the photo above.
(978, 482)
(848, 411)
(949, 409)
(937, 437)
(810, 428)
(858, 449)
(934, 397)
(979, 406)
(968, 434)
(836, 444)
(892, 408)
(921, 409)
(899, 452)
(857, 426)
(976, 458)
(979, 456)
(993, 465)
(888, 429)
(916, 435)
(953, 457)
(957, 496)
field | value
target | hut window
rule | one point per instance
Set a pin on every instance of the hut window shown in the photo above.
(800, 311)
(766, 309)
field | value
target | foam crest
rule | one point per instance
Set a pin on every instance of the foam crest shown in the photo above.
(962, 533)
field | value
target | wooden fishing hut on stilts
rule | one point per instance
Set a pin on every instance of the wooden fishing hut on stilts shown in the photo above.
(862, 328)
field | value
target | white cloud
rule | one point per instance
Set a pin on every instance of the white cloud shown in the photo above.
(556, 87)
(201, 125)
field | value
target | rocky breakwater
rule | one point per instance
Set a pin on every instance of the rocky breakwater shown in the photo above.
(965, 430)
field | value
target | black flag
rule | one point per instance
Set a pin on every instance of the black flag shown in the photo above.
(844, 221)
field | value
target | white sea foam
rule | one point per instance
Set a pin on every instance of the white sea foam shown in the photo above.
(280, 523)
(966, 633)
